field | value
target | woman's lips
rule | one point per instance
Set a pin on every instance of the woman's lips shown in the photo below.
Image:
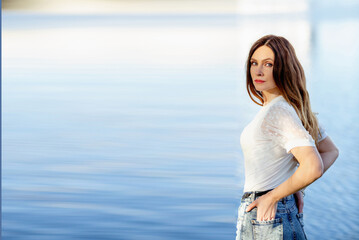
(259, 81)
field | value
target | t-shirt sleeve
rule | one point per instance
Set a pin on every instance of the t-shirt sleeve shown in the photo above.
(322, 131)
(282, 125)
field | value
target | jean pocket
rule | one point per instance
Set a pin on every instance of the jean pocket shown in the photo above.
(268, 230)
(300, 218)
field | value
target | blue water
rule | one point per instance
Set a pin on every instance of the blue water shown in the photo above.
(129, 129)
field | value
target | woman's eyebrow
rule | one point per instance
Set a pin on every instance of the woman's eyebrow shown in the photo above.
(263, 59)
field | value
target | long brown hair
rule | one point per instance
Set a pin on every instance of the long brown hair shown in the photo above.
(289, 77)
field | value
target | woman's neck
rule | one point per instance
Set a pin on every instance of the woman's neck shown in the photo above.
(269, 95)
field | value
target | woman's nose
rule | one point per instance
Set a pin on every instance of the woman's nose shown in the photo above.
(259, 71)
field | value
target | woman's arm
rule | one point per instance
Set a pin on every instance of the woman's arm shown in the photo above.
(310, 169)
(328, 152)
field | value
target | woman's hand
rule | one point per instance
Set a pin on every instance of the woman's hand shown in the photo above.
(266, 207)
(299, 201)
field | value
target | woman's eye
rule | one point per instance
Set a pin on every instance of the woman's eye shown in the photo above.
(253, 63)
(269, 64)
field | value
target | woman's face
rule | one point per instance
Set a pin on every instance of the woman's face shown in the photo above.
(262, 62)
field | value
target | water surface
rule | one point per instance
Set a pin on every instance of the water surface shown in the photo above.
(128, 127)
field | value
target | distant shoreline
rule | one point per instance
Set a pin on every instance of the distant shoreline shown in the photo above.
(133, 7)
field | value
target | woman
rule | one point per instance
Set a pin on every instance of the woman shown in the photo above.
(285, 149)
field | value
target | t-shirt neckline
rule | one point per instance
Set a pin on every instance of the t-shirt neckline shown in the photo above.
(273, 100)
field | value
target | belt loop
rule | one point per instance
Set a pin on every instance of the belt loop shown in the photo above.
(253, 196)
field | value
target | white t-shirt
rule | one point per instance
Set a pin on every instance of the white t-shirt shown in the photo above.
(266, 142)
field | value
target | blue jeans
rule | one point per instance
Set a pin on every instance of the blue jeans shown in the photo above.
(287, 224)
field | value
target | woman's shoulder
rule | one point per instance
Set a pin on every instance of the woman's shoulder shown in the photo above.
(280, 108)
